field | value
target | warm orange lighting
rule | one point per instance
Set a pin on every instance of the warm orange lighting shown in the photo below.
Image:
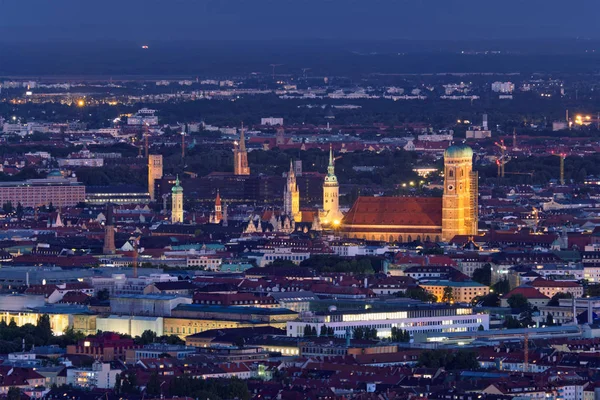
(81, 103)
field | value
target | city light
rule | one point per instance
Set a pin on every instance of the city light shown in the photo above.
(80, 103)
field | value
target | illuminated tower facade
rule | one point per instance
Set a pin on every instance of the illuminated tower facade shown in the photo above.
(240, 156)
(291, 196)
(217, 216)
(177, 203)
(109, 233)
(155, 171)
(331, 214)
(459, 202)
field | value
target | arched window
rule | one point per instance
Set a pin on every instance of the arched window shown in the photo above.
(399, 238)
(391, 239)
(409, 239)
(427, 239)
(451, 173)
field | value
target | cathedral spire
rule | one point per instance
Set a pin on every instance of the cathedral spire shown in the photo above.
(242, 139)
(331, 166)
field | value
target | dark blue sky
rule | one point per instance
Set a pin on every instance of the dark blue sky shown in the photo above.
(150, 20)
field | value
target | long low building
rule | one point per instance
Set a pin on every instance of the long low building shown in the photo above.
(422, 318)
(462, 292)
(61, 192)
(489, 336)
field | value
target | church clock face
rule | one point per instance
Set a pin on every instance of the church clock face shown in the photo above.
(450, 187)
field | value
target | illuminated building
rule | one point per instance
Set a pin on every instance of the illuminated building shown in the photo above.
(155, 171)
(331, 214)
(61, 192)
(414, 319)
(100, 376)
(109, 233)
(177, 203)
(187, 319)
(217, 215)
(291, 196)
(462, 292)
(240, 157)
(407, 219)
(459, 202)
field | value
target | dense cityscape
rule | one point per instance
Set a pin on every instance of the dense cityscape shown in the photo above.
(393, 222)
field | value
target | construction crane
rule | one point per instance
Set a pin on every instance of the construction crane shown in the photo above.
(273, 67)
(304, 72)
(526, 351)
(135, 256)
(562, 166)
(503, 159)
(183, 142)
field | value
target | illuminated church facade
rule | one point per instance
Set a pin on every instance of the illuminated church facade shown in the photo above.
(407, 219)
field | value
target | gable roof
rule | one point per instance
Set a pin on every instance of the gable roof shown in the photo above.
(408, 211)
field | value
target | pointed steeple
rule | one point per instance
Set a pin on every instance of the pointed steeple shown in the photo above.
(218, 199)
(242, 139)
(331, 166)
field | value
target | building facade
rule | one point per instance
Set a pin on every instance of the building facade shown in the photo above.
(177, 203)
(423, 319)
(459, 202)
(240, 156)
(291, 196)
(331, 214)
(61, 192)
(155, 171)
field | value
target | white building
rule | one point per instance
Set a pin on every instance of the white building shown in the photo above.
(503, 87)
(128, 325)
(271, 121)
(99, 376)
(424, 318)
(282, 254)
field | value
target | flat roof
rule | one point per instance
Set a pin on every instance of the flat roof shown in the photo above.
(234, 309)
(150, 296)
(452, 283)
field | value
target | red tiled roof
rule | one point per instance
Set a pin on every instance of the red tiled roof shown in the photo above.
(540, 282)
(410, 211)
(527, 292)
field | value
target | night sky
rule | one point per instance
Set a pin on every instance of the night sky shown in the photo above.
(151, 20)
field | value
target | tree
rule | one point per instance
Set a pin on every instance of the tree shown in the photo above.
(489, 300)
(418, 293)
(554, 300)
(448, 296)
(7, 207)
(239, 341)
(307, 330)
(153, 386)
(358, 333)
(480, 328)
(448, 359)
(147, 337)
(43, 330)
(483, 275)
(118, 383)
(512, 323)
(103, 295)
(324, 331)
(549, 320)
(313, 331)
(518, 301)
(502, 287)
(20, 211)
(14, 393)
